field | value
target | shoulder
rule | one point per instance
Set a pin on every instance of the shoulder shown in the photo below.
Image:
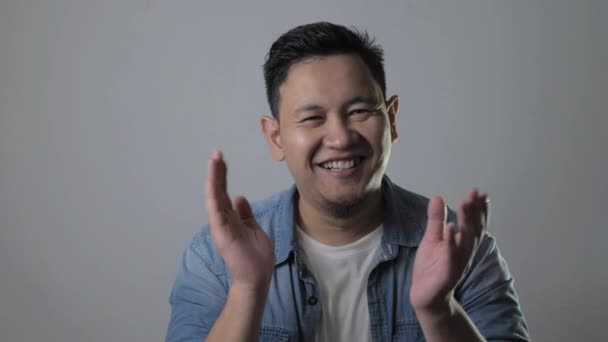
(271, 206)
(408, 199)
(411, 206)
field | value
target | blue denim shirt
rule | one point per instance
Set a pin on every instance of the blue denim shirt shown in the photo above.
(292, 310)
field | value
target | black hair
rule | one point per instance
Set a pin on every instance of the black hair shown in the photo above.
(318, 39)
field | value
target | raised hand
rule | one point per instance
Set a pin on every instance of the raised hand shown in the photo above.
(446, 251)
(242, 244)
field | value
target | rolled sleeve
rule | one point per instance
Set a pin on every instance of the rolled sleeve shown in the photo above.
(199, 293)
(488, 296)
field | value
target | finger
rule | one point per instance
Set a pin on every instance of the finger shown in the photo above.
(465, 230)
(471, 213)
(244, 212)
(222, 179)
(463, 251)
(478, 217)
(450, 234)
(459, 240)
(436, 219)
(485, 209)
(220, 182)
(217, 200)
(476, 213)
(461, 215)
(209, 193)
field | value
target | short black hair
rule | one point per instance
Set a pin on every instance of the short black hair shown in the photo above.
(318, 39)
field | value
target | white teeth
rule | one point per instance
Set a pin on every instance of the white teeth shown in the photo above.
(341, 164)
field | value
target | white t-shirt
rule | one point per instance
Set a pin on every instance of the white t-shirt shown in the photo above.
(342, 273)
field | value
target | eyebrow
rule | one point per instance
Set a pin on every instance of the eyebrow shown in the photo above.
(370, 100)
(308, 108)
(357, 99)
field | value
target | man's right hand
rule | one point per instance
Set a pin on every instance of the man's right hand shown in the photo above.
(242, 244)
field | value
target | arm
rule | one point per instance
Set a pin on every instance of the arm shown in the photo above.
(487, 307)
(450, 323)
(242, 315)
(486, 304)
(199, 292)
(202, 302)
(488, 296)
(203, 307)
(443, 255)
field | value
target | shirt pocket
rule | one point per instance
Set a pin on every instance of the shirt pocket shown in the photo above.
(408, 330)
(274, 334)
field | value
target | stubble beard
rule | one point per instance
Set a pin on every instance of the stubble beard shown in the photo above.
(349, 205)
(346, 206)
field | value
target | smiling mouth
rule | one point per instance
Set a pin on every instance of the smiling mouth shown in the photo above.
(338, 165)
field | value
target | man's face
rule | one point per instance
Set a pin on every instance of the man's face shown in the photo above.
(334, 130)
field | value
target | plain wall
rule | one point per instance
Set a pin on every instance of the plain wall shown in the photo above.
(110, 109)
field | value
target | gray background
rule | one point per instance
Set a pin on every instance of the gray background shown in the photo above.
(109, 110)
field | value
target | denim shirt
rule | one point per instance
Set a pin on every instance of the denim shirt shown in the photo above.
(293, 308)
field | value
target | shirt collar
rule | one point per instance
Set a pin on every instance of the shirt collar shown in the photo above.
(404, 215)
(404, 219)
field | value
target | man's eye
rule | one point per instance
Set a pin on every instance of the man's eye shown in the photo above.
(312, 118)
(361, 111)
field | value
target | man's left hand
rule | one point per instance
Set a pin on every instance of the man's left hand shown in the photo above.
(446, 251)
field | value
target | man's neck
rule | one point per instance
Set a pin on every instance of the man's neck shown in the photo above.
(327, 228)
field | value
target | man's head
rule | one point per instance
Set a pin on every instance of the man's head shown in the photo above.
(316, 40)
(331, 123)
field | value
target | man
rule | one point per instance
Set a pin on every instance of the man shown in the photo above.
(345, 254)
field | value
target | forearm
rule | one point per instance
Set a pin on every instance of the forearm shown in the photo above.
(449, 324)
(241, 317)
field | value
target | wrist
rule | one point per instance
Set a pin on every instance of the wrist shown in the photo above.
(241, 317)
(438, 310)
(249, 295)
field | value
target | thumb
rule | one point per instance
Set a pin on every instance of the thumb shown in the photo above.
(244, 212)
(436, 219)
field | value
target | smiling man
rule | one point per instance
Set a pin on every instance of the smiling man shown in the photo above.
(345, 254)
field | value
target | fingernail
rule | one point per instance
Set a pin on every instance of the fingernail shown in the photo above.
(217, 154)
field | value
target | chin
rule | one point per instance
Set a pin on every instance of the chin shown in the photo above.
(345, 205)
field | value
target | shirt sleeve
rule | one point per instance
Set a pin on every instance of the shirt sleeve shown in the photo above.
(488, 296)
(199, 293)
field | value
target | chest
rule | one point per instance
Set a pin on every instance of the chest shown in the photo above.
(296, 299)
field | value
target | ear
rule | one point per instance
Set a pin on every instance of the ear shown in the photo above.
(270, 130)
(392, 106)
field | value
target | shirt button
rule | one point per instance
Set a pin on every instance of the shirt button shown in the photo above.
(312, 300)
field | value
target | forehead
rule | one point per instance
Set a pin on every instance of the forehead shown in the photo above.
(326, 81)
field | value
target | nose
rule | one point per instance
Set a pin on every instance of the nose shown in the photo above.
(339, 134)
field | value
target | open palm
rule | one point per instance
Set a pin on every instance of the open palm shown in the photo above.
(445, 252)
(242, 244)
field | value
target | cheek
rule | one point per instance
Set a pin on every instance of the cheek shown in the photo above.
(379, 135)
(300, 146)
(301, 140)
(386, 135)
(380, 140)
